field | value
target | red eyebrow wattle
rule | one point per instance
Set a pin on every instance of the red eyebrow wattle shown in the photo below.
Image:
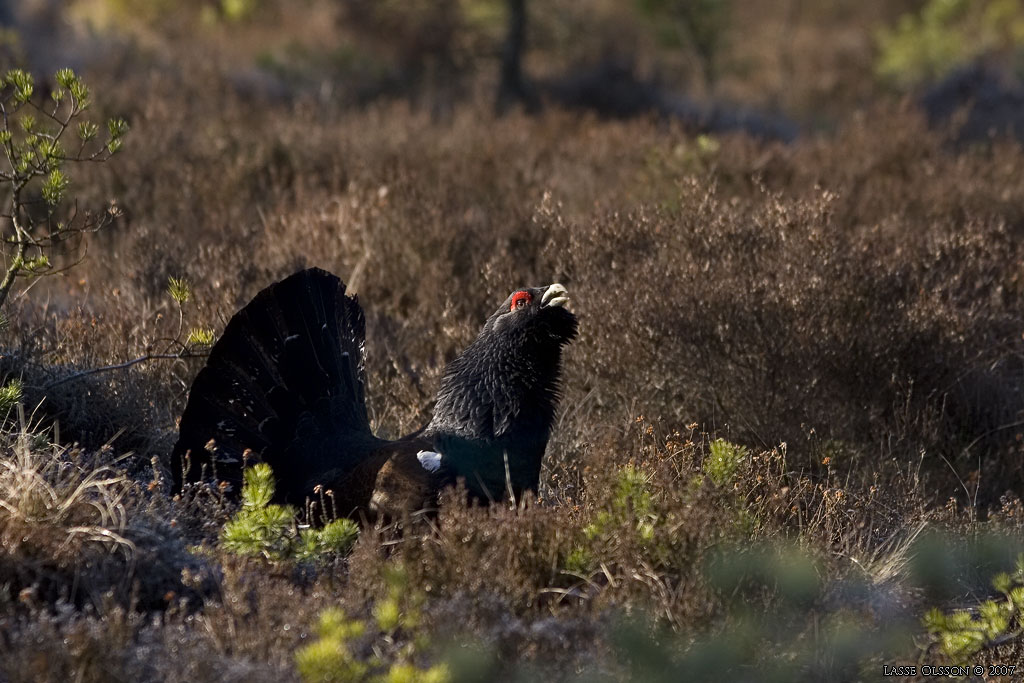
(518, 297)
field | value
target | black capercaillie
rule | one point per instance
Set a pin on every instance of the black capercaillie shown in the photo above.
(285, 382)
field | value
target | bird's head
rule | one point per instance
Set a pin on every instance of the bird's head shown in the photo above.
(537, 314)
(509, 375)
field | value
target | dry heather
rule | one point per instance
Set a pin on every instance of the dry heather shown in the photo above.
(816, 345)
(76, 530)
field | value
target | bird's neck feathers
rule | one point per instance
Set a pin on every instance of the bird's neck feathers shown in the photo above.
(502, 382)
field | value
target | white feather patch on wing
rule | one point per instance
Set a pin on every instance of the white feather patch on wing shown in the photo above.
(430, 460)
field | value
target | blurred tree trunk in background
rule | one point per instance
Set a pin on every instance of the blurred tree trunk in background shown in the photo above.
(513, 88)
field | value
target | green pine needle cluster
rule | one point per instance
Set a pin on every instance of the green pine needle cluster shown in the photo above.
(395, 640)
(179, 289)
(264, 529)
(200, 336)
(961, 634)
(34, 146)
(10, 395)
(725, 461)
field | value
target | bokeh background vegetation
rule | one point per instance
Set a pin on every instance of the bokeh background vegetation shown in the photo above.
(792, 437)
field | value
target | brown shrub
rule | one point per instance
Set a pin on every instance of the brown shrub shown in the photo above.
(856, 297)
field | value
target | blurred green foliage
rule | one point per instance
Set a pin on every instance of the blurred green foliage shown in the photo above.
(961, 634)
(631, 507)
(153, 11)
(777, 631)
(238, 10)
(633, 500)
(926, 45)
(395, 637)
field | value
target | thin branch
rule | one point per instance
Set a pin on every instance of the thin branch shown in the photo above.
(12, 272)
(994, 430)
(124, 365)
(51, 272)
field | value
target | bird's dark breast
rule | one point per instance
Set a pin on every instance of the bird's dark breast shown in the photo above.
(495, 438)
(495, 410)
(492, 468)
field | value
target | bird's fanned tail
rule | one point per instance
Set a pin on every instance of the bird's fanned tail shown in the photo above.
(284, 382)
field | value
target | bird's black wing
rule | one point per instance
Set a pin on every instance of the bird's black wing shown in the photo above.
(284, 382)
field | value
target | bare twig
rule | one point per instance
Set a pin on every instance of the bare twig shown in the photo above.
(124, 365)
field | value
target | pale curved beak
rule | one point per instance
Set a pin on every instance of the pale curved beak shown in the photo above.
(555, 295)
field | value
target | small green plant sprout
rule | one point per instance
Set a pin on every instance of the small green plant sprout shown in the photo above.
(200, 336)
(708, 146)
(724, 461)
(10, 396)
(180, 291)
(263, 529)
(401, 609)
(961, 634)
(41, 137)
(633, 503)
(394, 636)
